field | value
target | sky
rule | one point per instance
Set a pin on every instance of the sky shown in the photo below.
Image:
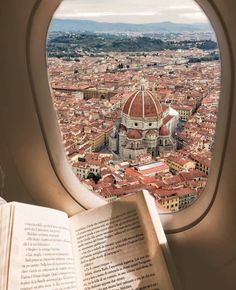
(132, 11)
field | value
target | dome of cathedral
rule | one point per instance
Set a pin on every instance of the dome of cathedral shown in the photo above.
(164, 131)
(134, 134)
(142, 104)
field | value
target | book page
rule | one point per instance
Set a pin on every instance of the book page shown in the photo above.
(116, 247)
(41, 251)
(6, 217)
(2, 201)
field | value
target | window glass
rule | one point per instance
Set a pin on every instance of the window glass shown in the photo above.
(116, 73)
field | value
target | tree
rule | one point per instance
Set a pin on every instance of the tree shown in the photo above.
(94, 177)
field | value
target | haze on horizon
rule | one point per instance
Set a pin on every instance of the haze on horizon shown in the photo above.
(132, 11)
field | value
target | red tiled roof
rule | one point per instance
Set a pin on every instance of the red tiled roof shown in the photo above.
(142, 104)
(167, 119)
(164, 131)
(134, 134)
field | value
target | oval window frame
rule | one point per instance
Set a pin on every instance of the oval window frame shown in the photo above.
(36, 61)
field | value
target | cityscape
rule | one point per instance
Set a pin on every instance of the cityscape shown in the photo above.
(137, 110)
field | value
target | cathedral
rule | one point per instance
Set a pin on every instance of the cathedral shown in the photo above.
(145, 126)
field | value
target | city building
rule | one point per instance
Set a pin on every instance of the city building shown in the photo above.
(145, 126)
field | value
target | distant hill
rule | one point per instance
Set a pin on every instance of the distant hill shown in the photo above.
(93, 26)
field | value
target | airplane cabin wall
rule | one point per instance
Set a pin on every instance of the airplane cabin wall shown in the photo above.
(205, 254)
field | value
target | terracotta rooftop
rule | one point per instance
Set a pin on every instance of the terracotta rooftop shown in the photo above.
(142, 104)
(134, 134)
(164, 131)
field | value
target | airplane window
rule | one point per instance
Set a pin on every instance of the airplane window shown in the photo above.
(116, 73)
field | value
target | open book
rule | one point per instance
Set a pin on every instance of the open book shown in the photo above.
(116, 246)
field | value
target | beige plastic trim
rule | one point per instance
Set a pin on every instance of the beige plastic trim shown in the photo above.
(37, 38)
